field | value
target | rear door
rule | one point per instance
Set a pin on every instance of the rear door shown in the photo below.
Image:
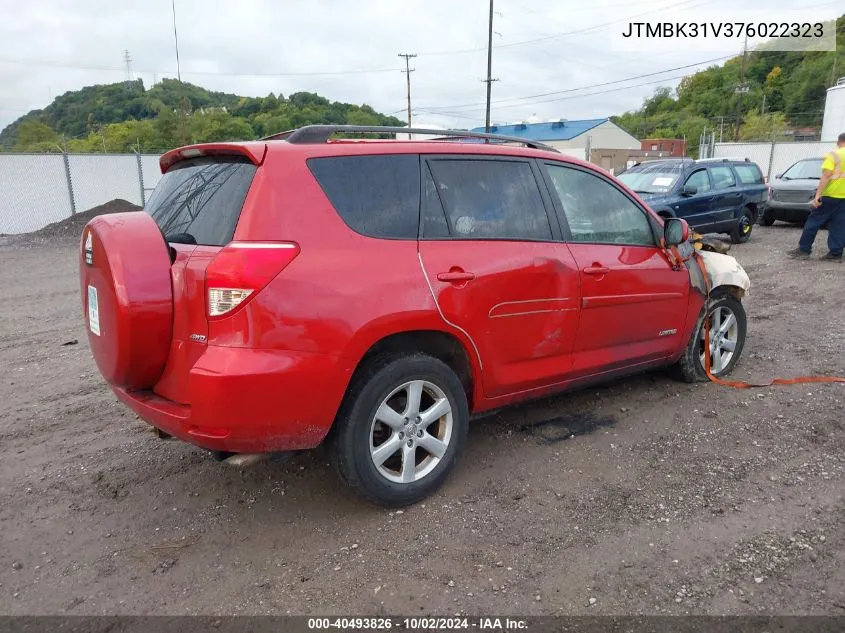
(633, 303)
(488, 247)
(727, 200)
(198, 201)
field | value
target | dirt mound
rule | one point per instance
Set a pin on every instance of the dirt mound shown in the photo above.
(72, 226)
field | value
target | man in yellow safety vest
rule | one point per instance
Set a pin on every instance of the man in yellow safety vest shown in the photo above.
(828, 208)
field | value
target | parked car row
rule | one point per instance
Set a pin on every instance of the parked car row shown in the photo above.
(725, 195)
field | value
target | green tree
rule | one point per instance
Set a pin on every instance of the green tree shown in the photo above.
(763, 127)
(34, 136)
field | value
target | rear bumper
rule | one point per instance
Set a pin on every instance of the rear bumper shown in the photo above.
(251, 401)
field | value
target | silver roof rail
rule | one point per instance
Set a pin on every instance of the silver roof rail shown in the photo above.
(311, 134)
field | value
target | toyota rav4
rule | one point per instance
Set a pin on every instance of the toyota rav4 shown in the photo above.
(375, 295)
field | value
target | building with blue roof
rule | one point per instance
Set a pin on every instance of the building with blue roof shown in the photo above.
(569, 134)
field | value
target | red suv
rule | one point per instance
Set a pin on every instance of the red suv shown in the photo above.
(279, 293)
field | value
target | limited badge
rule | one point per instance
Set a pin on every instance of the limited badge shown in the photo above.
(89, 250)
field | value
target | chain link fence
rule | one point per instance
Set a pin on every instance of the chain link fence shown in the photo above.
(39, 189)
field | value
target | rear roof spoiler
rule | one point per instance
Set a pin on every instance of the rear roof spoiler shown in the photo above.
(252, 150)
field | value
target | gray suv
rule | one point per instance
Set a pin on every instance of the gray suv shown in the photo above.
(791, 193)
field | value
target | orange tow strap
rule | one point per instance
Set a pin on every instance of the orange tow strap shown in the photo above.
(738, 384)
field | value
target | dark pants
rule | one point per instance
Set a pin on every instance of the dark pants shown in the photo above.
(832, 212)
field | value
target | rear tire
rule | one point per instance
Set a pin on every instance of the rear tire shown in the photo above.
(401, 429)
(742, 231)
(690, 367)
(767, 218)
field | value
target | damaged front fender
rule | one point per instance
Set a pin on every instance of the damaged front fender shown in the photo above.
(724, 270)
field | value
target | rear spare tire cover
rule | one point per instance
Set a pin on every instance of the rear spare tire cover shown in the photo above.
(127, 297)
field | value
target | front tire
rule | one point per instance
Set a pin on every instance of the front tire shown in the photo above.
(742, 231)
(728, 328)
(401, 429)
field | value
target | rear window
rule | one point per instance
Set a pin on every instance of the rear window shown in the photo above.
(749, 174)
(377, 196)
(202, 198)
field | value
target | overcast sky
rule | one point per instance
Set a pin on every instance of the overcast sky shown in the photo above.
(347, 51)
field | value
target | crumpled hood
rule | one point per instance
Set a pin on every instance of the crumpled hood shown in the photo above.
(724, 270)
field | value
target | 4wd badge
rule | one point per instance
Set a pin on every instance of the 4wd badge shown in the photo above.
(89, 250)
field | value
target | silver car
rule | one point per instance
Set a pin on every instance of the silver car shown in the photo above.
(791, 193)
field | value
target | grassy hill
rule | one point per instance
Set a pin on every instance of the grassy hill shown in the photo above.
(123, 116)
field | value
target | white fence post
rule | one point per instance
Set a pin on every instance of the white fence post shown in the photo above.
(141, 178)
(771, 162)
(69, 183)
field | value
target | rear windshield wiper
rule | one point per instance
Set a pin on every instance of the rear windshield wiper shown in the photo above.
(181, 238)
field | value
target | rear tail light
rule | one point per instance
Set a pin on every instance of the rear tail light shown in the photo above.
(240, 270)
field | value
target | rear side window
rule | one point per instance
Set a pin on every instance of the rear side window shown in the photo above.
(749, 174)
(722, 177)
(377, 196)
(490, 199)
(202, 198)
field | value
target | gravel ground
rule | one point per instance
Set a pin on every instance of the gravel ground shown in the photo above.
(644, 496)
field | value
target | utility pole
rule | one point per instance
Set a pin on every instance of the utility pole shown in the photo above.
(489, 81)
(127, 60)
(721, 127)
(741, 90)
(408, 70)
(763, 106)
(183, 138)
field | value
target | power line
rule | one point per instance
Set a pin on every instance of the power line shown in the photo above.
(568, 90)
(52, 64)
(408, 70)
(567, 34)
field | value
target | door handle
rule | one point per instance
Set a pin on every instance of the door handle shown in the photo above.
(596, 269)
(456, 276)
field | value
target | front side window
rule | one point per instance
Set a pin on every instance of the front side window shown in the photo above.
(723, 177)
(490, 199)
(699, 180)
(596, 211)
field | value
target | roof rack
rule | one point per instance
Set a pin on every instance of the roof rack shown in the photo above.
(310, 134)
(724, 159)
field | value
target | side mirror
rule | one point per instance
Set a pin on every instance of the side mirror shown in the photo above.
(689, 190)
(778, 176)
(675, 231)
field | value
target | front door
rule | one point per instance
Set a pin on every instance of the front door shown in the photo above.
(488, 249)
(695, 208)
(633, 303)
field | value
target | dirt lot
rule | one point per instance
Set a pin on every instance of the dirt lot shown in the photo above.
(644, 496)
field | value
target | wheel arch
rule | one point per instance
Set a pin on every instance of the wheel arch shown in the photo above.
(755, 210)
(442, 345)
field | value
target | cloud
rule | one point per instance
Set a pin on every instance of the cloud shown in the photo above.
(253, 47)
